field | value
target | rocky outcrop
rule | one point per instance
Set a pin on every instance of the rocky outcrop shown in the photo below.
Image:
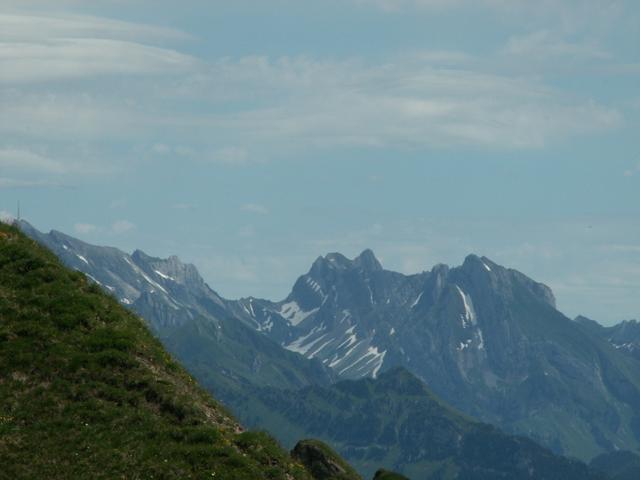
(322, 461)
(387, 475)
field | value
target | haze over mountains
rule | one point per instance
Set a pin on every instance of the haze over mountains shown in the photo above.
(486, 339)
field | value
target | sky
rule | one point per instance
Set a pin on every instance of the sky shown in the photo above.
(250, 137)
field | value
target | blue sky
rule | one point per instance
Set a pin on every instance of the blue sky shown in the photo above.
(249, 137)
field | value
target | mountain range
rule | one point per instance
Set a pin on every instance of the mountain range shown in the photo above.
(486, 339)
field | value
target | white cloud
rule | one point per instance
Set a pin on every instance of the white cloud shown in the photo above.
(44, 48)
(397, 5)
(499, 5)
(229, 155)
(184, 206)
(621, 248)
(399, 103)
(567, 12)
(84, 228)
(118, 203)
(549, 46)
(632, 171)
(593, 18)
(297, 103)
(281, 106)
(231, 268)
(122, 226)
(21, 27)
(71, 116)
(20, 159)
(60, 59)
(247, 231)
(255, 208)
(118, 227)
(22, 183)
(161, 149)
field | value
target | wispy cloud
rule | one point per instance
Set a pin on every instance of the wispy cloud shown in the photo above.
(19, 159)
(27, 183)
(22, 27)
(282, 105)
(229, 155)
(184, 206)
(399, 103)
(238, 111)
(120, 227)
(44, 48)
(85, 228)
(255, 208)
(59, 59)
(568, 13)
(550, 46)
(621, 248)
(397, 5)
(632, 171)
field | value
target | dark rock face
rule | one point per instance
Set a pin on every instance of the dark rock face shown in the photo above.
(387, 475)
(322, 462)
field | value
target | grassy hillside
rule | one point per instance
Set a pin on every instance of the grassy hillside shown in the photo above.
(87, 392)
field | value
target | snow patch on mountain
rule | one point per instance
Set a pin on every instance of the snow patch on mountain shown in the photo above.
(299, 345)
(469, 316)
(417, 300)
(145, 276)
(292, 312)
(164, 275)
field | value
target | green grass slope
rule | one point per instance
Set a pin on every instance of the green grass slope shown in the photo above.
(87, 392)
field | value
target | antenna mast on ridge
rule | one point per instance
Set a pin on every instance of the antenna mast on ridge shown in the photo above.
(18, 211)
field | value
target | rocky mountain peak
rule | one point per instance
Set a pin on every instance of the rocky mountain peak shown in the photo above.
(336, 262)
(171, 268)
(331, 262)
(139, 256)
(367, 261)
(474, 263)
